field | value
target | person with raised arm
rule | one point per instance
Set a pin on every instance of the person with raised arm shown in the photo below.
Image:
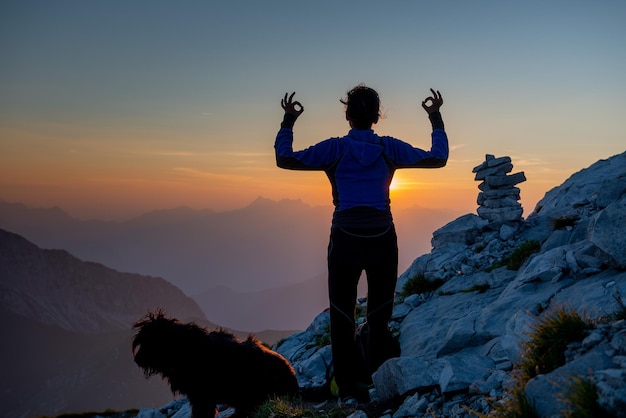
(360, 167)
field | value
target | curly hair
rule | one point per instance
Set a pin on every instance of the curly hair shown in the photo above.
(210, 367)
(362, 106)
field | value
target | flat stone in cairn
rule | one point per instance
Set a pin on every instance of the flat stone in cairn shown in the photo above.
(492, 171)
(491, 161)
(504, 181)
(501, 193)
(498, 199)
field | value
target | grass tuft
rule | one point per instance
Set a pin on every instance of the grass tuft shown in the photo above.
(516, 405)
(522, 253)
(418, 285)
(322, 340)
(480, 288)
(543, 352)
(581, 400)
(291, 408)
(549, 338)
(279, 408)
(519, 255)
(621, 311)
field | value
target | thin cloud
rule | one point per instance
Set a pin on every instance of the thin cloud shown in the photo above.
(246, 154)
(194, 172)
(174, 153)
(530, 162)
(203, 154)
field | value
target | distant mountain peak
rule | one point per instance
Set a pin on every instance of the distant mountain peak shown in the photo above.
(265, 202)
(179, 213)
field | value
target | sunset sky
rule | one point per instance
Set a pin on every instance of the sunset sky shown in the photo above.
(112, 108)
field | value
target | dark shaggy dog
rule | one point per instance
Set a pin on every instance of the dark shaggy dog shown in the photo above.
(210, 368)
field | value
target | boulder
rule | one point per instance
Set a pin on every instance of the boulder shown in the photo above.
(463, 370)
(606, 231)
(586, 191)
(463, 230)
(404, 375)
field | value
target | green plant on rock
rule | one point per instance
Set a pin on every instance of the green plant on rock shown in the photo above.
(543, 352)
(522, 253)
(518, 256)
(480, 288)
(419, 284)
(278, 408)
(548, 340)
(621, 311)
(322, 340)
(292, 408)
(581, 400)
(515, 405)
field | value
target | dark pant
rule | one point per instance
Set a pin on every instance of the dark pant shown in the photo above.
(350, 252)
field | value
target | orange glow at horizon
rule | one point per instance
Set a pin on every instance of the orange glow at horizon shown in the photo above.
(116, 177)
(153, 116)
(117, 194)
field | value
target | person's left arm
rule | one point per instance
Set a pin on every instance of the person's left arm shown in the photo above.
(406, 156)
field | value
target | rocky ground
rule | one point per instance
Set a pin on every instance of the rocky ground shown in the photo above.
(499, 275)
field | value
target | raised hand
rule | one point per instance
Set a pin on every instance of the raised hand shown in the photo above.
(435, 102)
(290, 106)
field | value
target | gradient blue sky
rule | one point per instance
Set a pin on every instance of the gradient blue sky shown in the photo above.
(110, 108)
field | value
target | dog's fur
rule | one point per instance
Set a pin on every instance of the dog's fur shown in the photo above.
(210, 368)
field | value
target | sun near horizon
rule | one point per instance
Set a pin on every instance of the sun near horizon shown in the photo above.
(91, 187)
(110, 109)
(110, 175)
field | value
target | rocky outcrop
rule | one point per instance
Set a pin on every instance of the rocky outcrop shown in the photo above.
(579, 265)
(461, 343)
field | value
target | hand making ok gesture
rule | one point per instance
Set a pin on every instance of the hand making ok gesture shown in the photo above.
(435, 102)
(290, 106)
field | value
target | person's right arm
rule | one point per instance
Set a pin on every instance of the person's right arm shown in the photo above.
(316, 157)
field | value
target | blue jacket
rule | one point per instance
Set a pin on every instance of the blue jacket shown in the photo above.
(360, 167)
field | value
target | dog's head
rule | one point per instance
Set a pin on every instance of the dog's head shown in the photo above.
(154, 343)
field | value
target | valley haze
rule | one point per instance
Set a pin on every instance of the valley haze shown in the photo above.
(256, 268)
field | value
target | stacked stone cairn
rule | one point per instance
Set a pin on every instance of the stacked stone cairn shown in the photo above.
(498, 197)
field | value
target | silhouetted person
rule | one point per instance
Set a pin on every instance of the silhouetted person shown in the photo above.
(360, 167)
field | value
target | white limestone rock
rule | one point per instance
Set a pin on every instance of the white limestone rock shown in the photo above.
(607, 231)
